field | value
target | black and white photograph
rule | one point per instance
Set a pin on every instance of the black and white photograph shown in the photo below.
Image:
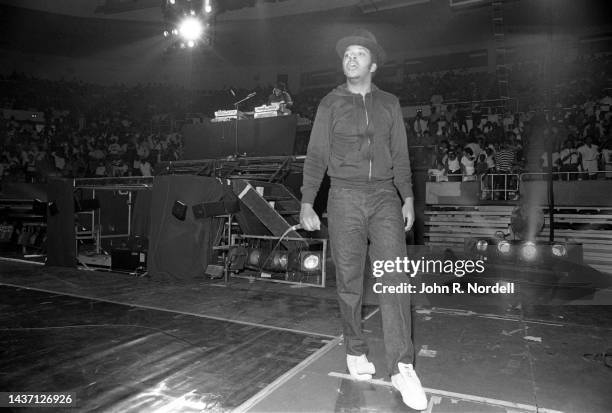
(306, 206)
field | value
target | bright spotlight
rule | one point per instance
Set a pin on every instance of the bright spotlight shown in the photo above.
(192, 12)
(172, 2)
(529, 251)
(175, 31)
(311, 262)
(559, 250)
(503, 247)
(482, 245)
(191, 28)
(207, 6)
(166, 33)
(190, 43)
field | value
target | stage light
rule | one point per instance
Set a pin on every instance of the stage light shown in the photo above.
(482, 245)
(529, 251)
(191, 43)
(173, 2)
(191, 28)
(504, 247)
(559, 250)
(278, 261)
(207, 6)
(311, 261)
(192, 12)
(166, 33)
(255, 258)
(236, 258)
(175, 32)
(182, 45)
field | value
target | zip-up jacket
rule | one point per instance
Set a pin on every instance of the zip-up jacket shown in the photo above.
(361, 141)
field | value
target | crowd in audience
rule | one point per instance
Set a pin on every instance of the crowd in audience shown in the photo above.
(472, 139)
(84, 130)
(96, 131)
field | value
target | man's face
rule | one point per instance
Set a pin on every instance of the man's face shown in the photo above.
(357, 62)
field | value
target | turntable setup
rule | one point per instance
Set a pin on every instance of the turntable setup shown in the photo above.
(264, 111)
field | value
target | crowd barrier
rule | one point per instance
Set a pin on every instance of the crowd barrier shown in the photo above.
(515, 186)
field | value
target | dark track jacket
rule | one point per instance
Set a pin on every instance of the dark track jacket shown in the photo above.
(361, 141)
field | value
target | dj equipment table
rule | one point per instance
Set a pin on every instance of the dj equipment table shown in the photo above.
(256, 137)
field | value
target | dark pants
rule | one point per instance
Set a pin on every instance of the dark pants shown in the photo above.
(354, 216)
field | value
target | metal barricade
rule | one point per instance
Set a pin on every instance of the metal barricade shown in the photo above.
(499, 186)
(444, 177)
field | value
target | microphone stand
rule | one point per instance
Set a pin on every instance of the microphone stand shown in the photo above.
(249, 96)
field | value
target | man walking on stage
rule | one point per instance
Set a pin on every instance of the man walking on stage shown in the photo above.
(359, 137)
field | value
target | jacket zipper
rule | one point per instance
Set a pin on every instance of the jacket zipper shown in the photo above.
(365, 107)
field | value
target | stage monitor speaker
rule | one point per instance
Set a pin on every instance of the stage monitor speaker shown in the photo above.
(181, 249)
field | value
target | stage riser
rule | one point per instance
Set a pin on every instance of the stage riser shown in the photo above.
(256, 137)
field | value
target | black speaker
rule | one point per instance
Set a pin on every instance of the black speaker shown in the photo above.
(228, 205)
(208, 209)
(124, 259)
(179, 210)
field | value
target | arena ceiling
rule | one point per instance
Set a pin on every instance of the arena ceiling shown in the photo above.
(82, 28)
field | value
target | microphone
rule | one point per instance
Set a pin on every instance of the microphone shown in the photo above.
(249, 96)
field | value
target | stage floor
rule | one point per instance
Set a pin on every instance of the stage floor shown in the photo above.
(128, 344)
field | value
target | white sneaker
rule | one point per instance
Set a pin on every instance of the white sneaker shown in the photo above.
(409, 385)
(359, 367)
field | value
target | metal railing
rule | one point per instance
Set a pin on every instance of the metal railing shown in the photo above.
(499, 186)
(566, 175)
(444, 177)
(487, 106)
(506, 186)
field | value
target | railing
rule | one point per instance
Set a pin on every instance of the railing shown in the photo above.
(499, 186)
(445, 177)
(486, 106)
(506, 186)
(493, 186)
(565, 175)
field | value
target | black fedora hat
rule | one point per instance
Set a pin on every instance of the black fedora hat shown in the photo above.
(362, 37)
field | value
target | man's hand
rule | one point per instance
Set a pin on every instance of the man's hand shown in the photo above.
(408, 213)
(309, 218)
